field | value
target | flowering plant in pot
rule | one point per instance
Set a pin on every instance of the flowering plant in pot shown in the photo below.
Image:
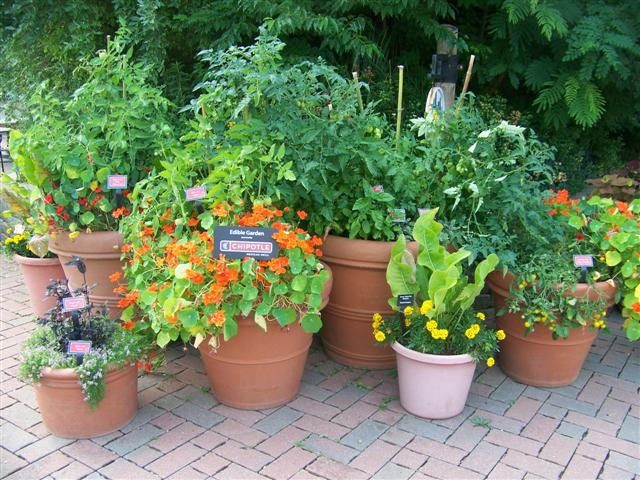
(550, 307)
(114, 124)
(27, 242)
(83, 366)
(438, 338)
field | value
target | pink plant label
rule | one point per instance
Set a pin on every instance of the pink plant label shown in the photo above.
(583, 260)
(195, 193)
(71, 304)
(377, 188)
(422, 211)
(117, 182)
(78, 347)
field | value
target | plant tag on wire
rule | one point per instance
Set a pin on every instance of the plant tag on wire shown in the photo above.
(78, 347)
(405, 300)
(378, 188)
(117, 182)
(583, 261)
(195, 193)
(422, 211)
(71, 304)
(398, 215)
(241, 242)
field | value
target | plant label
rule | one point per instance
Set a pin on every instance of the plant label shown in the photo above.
(241, 242)
(398, 215)
(71, 304)
(422, 211)
(378, 188)
(405, 300)
(195, 193)
(78, 347)
(583, 261)
(117, 182)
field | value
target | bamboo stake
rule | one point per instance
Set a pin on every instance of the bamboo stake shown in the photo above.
(356, 81)
(399, 113)
(467, 78)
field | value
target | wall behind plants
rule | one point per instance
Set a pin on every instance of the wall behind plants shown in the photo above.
(568, 66)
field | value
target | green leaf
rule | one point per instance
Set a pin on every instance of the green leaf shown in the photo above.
(230, 328)
(250, 293)
(471, 291)
(169, 307)
(299, 283)
(576, 222)
(440, 282)
(427, 233)
(612, 258)
(207, 221)
(163, 339)
(87, 218)
(311, 323)
(296, 261)
(147, 297)
(401, 270)
(127, 314)
(181, 270)
(284, 316)
(102, 174)
(260, 321)
(245, 306)
(188, 317)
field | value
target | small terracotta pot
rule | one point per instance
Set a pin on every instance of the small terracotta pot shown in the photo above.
(359, 290)
(537, 359)
(37, 274)
(66, 414)
(433, 386)
(101, 254)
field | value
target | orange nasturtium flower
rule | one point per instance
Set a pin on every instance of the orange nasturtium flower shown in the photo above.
(636, 307)
(194, 276)
(217, 318)
(221, 209)
(114, 277)
(302, 214)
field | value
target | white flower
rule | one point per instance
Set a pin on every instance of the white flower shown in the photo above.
(472, 148)
(484, 134)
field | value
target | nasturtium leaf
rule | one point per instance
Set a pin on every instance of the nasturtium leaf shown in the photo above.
(263, 309)
(230, 328)
(296, 261)
(102, 174)
(298, 298)
(311, 323)
(87, 218)
(181, 270)
(280, 288)
(250, 293)
(163, 339)
(299, 283)
(127, 314)
(284, 316)
(188, 317)
(315, 301)
(612, 258)
(260, 321)
(245, 306)
(207, 221)
(174, 333)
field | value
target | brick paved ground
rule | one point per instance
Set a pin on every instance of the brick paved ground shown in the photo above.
(345, 424)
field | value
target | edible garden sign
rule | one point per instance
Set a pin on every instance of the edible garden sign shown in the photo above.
(241, 242)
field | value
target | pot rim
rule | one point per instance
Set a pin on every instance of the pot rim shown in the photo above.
(432, 358)
(36, 260)
(70, 373)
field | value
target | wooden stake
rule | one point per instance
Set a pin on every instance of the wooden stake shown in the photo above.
(467, 78)
(356, 81)
(399, 112)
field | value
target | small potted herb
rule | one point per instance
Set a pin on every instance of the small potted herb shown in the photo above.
(82, 366)
(437, 337)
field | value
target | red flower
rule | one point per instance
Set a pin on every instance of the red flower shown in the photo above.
(580, 237)
(169, 228)
(128, 325)
(302, 214)
(65, 217)
(59, 209)
(48, 199)
(114, 277)
(636, 307)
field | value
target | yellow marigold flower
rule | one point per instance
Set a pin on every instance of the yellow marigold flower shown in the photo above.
(491, 362)
(470, 333)
(74, 234)
(527, 324)
(9, 230)
(500, 335)
(444, 333)
(380, 336)
(480, 315)
(408, 310)
(435, 333)
(407, 322)
(427, 305)
(476, 328)
(377, 317)
(431, 325)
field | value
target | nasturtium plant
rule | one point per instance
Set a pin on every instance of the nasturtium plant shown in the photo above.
(441, 320)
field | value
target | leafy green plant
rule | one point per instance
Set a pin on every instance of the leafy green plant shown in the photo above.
(442, 321)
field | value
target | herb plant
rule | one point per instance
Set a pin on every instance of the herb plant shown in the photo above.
(441, 321)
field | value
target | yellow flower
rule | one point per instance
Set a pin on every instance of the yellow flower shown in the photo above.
(93, 186)
(435, 333)
(476, 328)
(527, 324)
(74, 234)
(9, 230)
(470, 333)
(407, 322)
(500, 335)
(408, 310)
(431, 325)
(444, 333)
(480, 315)
(377, 317)
(491, 362)
(380, 336)
(427, 305)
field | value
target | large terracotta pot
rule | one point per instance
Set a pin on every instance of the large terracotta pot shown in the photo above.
(37, 274)
(256, 369)
(359, 290)
(66, 414)
(101, 254)
(537, 359)
(433, 386)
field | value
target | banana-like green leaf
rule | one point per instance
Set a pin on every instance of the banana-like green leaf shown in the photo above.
(440, 283)
(427, 233)
(401, 271)
(472, 290)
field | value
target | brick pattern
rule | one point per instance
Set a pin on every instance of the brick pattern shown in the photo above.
(345, 423)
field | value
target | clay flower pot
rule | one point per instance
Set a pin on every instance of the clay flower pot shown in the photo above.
(66, 414)
(433, 386)
(537, 359)
(257, 369)
(101, 254)
(360, 290)
(37, 274)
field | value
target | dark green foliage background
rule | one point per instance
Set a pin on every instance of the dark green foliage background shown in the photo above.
(569, 68)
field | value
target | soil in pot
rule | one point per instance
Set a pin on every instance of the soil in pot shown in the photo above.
(537, 359)
(433, 386)
(66, 414)
(101, 254)
(359, 290)
(37, 274)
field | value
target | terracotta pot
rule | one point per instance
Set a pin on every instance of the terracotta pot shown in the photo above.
(256, 369)
(37, 274)
(101, 253)
(359, 290)
(537, 359)
(433, 386)
(66, 414)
